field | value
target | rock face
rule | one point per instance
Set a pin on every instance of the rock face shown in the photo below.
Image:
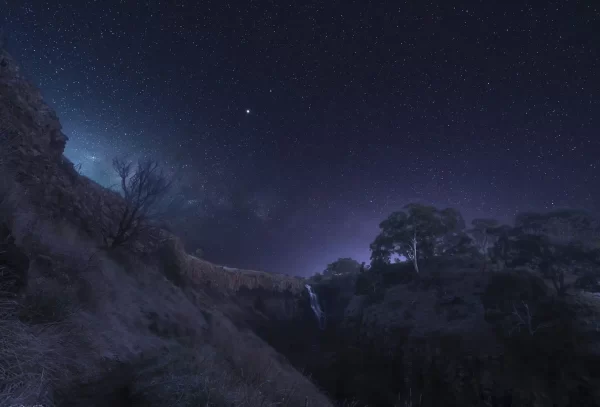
(32, 149)
(234, 280)
(223, 280)
(251, 298)
(23, 110)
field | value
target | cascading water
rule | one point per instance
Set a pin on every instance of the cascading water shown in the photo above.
(314, 304)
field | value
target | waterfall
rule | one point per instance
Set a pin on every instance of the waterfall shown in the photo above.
(314, 304)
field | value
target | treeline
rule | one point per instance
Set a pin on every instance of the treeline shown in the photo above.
(562, 245)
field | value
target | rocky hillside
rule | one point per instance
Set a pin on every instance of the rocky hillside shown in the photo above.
(82, 326)
(23, 111)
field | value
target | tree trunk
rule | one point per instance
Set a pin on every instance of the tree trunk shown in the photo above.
(416, 264)
(558, 281)
(415, 253)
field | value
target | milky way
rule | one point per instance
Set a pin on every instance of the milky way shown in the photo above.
(299, 127)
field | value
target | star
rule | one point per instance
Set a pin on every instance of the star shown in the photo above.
(247, 111)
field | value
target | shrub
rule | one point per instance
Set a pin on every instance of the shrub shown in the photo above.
(317, 277)
(588, 282)
(370, 284)
(363, 284)
(506, 288)
(398, 273)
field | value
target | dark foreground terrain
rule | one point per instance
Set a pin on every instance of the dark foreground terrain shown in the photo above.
(450, 338)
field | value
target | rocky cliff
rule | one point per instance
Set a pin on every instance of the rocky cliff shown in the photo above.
(227, 279)
(32, 150)
(23, 111)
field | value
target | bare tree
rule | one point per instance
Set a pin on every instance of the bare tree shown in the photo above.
(144, 186)
(524, 320)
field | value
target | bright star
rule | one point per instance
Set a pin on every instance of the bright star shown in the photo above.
(247, 111)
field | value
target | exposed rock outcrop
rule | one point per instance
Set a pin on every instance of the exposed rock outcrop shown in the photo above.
(32, 149)
(23, 110)
(233, 279)
(221, 279)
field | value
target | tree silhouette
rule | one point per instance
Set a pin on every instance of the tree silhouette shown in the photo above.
(143, 186)
(418, 232)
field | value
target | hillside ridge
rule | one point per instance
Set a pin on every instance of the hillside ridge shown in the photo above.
(33, 131)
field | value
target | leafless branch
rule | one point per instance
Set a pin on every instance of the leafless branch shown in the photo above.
(143, 186)
(524, 319)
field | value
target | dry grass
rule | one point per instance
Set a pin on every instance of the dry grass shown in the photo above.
(260, 376)
(210, 362)
(183, 376)
(215, 365)
(34, 359)
(40, 347)
(27, 364)
(83, 310)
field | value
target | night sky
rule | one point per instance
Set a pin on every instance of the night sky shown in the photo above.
(296, 127)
